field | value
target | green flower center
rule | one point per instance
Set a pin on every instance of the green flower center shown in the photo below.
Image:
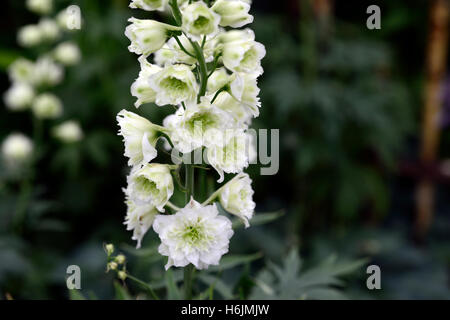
(146, 186)
(201, 22)
(203, 120)
(172, 83)
(193, 234)
(250, 57)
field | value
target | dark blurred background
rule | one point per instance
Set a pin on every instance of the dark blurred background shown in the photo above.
(350, 106)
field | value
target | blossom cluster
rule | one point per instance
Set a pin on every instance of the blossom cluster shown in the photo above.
(205, 65)
(32, 81)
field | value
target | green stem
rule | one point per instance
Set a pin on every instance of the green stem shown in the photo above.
(145, 285)
(188, 277)
(183, 48)
(203, 69)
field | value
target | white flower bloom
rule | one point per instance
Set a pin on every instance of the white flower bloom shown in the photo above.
(240, 51)
(141, 88)
(220, 79)
(198, 20)
(236, 109)
(68, 21)
(68, 132)
(29, 36)
(139, 219)
(199, 125)
(174, 84)
(19, 96)
(236, 197)
(47, 106)
(195, 234)
(147, 36)
(140, 137)
(233, 13)
(17, 149)
(151, 184)
(250, 93)
(149, 5)
(49, 29)
(21, 70)
(67, 53)
(47, 73)
(231, 158)
(40, 6)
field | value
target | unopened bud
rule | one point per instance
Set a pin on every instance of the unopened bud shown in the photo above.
(120, 259)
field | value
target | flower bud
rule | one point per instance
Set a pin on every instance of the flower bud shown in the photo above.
(19, 96)
(109, 248)
(112, 265)
(29, 36)
(233, 13)
(40, 6)
(67, 53)
(120, 259)
(47, 106)
(147, 36)
(16, 149)
(47, 73)
(122, 275)
(21, 70)
(149, 5)
(49, 29)
(68, 132)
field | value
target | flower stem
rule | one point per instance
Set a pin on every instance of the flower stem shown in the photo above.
(203, 69)
(188, 277)
(145, 285)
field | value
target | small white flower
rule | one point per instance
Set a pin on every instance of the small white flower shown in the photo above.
(49, 29)
(233, 13)
(17, 149)
(19, 96)
(47, 106)
(68, 132)
(147, 36)
(174, 84)
(195, 234)
(47, 73)
(29, 36)
(149, 5)
(141, 88)
(236, 197)
(220, 79)
(198, 20)
(40, 6)
(68, 21)
(199, 125)
(140, 137)
(240, 112)
(151, 184)
(240, 51)
(139, 219)
(21, 70)
(67, 53)
(231, 158)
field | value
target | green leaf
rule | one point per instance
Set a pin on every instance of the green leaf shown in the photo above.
(76, 295)
(218, 285)
(231, 261)
(121, 292)
(173, 293)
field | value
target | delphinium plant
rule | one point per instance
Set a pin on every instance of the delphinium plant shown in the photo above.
(205, 66)
(31, 89)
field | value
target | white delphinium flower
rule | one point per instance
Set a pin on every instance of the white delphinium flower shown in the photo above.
(140, 137)
(17, 149)
(199, 125)
(233, 107)
(233, 13)
(29, 36)
(19, 96)
(236, 197)
(141, 87)
(47, 73)
(174, 84)
(147, 36)
(231, 158)
(47, 106)
(21, 70)
(40, 6)
(151, 184)
(195, 234)
(149, 5)
(221, 80)
(199, 20)
(68, 131)
(139, 219)
(67, 53)
(49, 29)
(240, 51)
